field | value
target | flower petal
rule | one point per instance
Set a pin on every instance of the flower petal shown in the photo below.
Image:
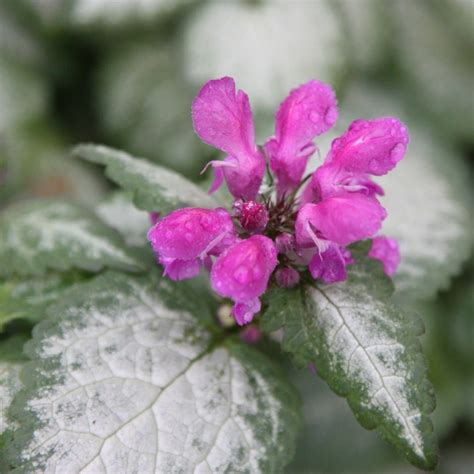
(244, 312)
(308, 111)
(386, 250)
(329, 266)
(190, 233)
(176, 269)
(223, 118)
(243, 270)
(331, 179)
(370, 146)
(341, 219)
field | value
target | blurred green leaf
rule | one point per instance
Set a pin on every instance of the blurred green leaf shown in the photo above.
(11, 362)
(269, 47)
(156, 189)
(145, 105)
(29, 298)
(438, 64)
(330, 429)
(46, 234)
(118, 211)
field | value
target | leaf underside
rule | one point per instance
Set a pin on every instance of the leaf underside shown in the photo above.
(367, 350)
(155, 188)
(121, 381)
(43, 235)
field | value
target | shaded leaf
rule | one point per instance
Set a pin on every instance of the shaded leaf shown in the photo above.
(28, 298)
(11, 361)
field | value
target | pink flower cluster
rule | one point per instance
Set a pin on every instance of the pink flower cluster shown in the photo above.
(289, 229)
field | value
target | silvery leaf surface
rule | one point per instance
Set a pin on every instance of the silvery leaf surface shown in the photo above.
(123, 379)
(36, 236)
(155, 188)
(367, 350)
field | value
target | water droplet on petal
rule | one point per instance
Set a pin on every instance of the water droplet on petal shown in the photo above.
(189, 236)
(314, 116)
(331, 116)
(241, 275)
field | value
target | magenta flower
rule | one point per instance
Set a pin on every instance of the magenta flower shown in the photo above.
(224, 120)
(386, 250)
(287, 277)
(307, 112)
(185, 239)
(368, 147)
(242, 273)
(281, 234)
(330, 265)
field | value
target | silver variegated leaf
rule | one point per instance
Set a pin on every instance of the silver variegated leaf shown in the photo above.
(367, 350)
(119, 212)
(125, 380)
(155, 188)
(50, 234)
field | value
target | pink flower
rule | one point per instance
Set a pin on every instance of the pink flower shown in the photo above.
(285, 242)
(342, 219)
(386, 250)
(307, 112)
(184, 239)
(333, 223)
(291, 233)
(242, 273)
(368, 147)
(223, 118)
(330, 265)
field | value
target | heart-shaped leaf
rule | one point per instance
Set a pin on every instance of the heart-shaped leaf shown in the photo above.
(367, 351)
(124, 380)
(155, 188)
(47, 234)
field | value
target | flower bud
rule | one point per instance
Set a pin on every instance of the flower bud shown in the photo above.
(287, 277)
(253, 216)
(251, 334)
(285, 242)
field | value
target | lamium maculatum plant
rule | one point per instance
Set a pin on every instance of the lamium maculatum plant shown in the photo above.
(135, 367)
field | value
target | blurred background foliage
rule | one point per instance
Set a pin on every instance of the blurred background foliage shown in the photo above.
(124, 73)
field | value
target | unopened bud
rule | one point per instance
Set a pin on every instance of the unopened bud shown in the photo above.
(253, 216)
(287, 277)
(285, 243)
(251, 334)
